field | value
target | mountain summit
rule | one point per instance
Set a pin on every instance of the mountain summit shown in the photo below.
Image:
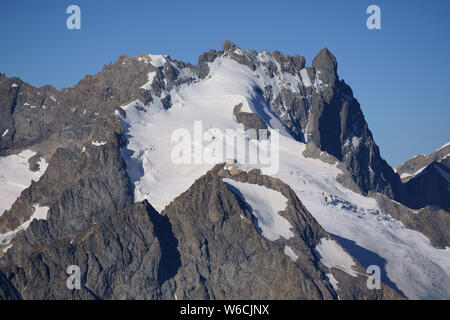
(88, 178)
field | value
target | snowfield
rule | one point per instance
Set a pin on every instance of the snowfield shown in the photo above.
(265, 204)
(333, 256)
(418, 269)
(16, 176)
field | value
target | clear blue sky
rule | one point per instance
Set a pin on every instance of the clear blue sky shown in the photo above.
(400, 74)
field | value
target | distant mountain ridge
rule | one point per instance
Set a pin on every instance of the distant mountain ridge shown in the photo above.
(427, 179)
(416, 164)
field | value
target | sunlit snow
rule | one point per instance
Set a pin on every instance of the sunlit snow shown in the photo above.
(333, 256)
(16, 176)
(265, 204)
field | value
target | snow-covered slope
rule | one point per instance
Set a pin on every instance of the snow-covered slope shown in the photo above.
(332, 256)
(15, 176)
(417, 268)
(211, 101)
(265, 204)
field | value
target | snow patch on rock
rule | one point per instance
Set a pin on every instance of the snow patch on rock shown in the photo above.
(333, 256)
(98, 143)
(148, 84)
(290, 253)
(16, 176)
(266, 205)
(40, 213)
(305, 78)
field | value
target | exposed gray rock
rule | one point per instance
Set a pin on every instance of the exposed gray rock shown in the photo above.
(252, 122)
(286, 63)
(120, 257)
(77, 187)
(7, 290)
(432, 222)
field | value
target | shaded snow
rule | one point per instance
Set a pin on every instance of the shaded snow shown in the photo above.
(356, 141)
(334, 283)
(444, 174)
(148, 84)
(305, 78)
(418, 269)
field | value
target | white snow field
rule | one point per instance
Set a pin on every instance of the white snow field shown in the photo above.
(16, 176)
(266, 204)
(333, 256)
(418, 269)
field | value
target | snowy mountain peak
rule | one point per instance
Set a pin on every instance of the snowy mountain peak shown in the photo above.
(150, 135)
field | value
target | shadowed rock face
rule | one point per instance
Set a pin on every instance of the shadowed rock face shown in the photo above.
(426, 179)
(119, 257)
(412, 167)
(336, 124)
(431, 187)
(7, 290)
